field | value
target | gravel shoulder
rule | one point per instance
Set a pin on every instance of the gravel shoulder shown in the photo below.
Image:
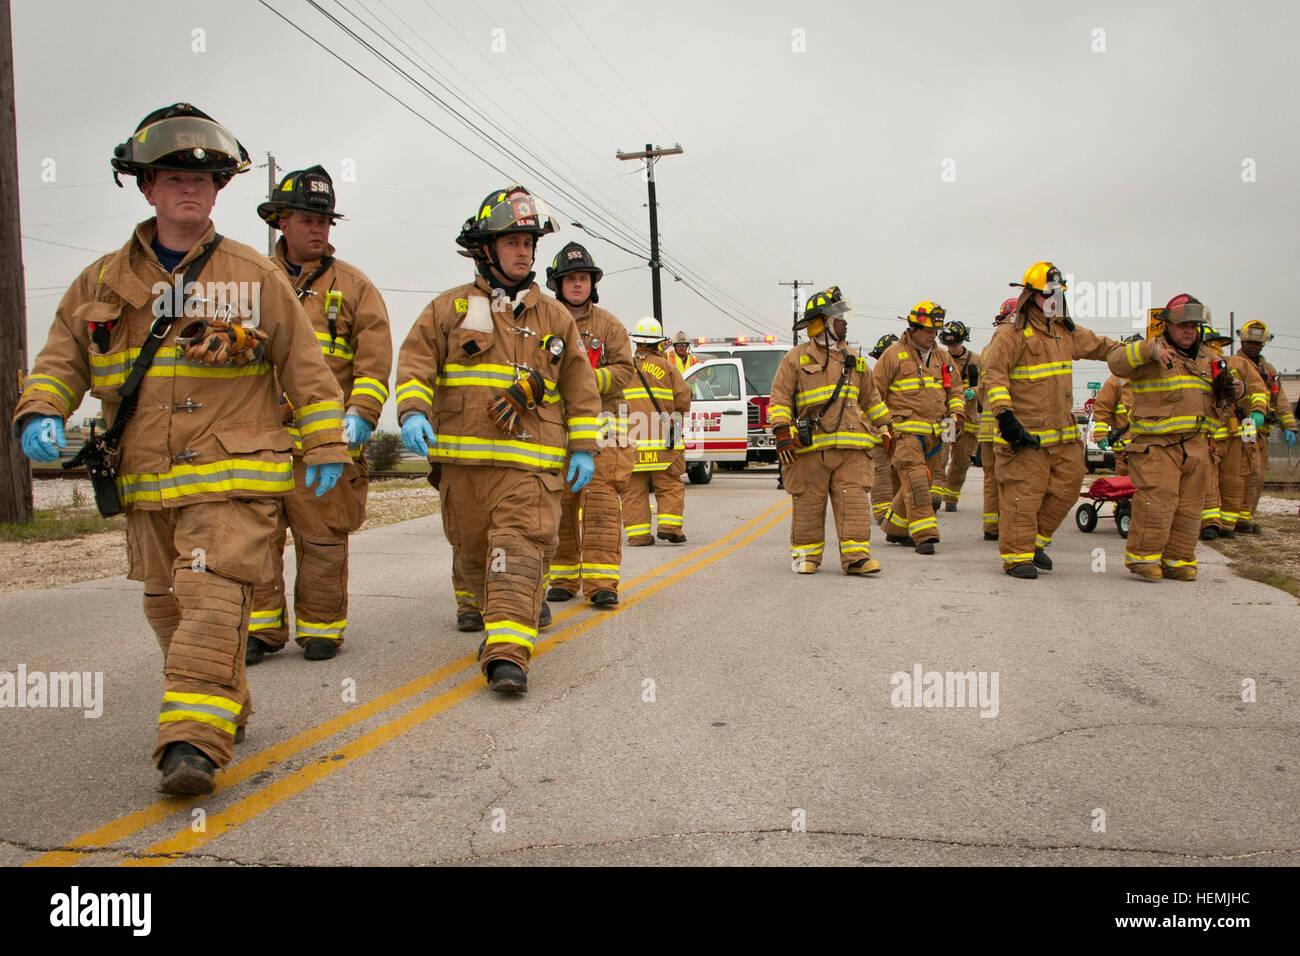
(26, 565)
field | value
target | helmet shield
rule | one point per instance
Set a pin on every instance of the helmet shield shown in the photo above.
(1188, 312)
(516, 212)
(186, 143)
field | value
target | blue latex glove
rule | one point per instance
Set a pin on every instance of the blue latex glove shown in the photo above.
(417, 434)
(584, 466)
(1290, 438)
(1258, 419)
(40, 436)
(969, 394)
(356, 430)
(324, 477)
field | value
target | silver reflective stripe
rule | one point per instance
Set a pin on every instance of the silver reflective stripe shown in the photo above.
(210, 709)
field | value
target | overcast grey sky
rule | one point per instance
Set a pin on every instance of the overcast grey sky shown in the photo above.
(903, 152)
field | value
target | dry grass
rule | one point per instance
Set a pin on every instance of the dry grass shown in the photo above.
(1273, 557)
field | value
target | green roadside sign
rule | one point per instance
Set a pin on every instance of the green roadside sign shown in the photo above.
(1094, 384)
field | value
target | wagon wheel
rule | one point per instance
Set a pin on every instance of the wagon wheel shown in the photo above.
(1086, 517)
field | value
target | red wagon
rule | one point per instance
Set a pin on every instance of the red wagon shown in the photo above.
(1118, 491)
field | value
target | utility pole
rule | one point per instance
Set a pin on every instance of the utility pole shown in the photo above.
(270, 195)
(15, 471)
(796, 283)
(651, 155)
(1232, 333)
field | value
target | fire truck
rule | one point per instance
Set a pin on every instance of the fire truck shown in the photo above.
(730, 392)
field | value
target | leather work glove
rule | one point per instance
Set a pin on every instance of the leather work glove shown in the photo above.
(1104, 444)
(583, 466)
(324, 477)
(40, 436)
(219, 343)
(784, 444)
(417, 434)
(969, 394)
(1289, 437)
(1258, 419)
(507, 407)
(356, 430)
(1013, 433)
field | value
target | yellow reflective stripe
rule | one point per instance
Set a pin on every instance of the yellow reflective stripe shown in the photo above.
(808, 550)
(1175, 423)
(471, 448)
(663, 394)
(266, 620)
(956, 404)
(912, 384)
(1042, 540)
(48, 383)
(510, 632)
(778, 414)
(1100, 430)
(848, 439)
(219, 476)
(1017, 557)
(584, 428)
(1132, 558)
(635, 529)
(169, 362)
(208, 709)
(823, 393)
(325, 629)
(604, 378)
(1178, 564)
(1171, 384)
(370, 387)
(854, 546)
(1133, 354)
(341, 347)
(878, 412)
(922, 524)
(414, 389)
(1029, 373)
(671, 521)
(489, 375)
(999, 393)
(913, 427)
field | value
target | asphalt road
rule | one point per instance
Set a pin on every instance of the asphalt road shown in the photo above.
(728, 712)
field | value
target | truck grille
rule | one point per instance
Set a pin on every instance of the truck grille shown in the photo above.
(753, 416)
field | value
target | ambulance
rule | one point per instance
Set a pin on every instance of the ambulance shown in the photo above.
(730, 392)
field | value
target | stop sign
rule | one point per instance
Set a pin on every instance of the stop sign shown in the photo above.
(1087, 406)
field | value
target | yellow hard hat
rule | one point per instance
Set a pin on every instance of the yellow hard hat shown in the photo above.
(927, 315)
(1255, 331)
(1039, 276)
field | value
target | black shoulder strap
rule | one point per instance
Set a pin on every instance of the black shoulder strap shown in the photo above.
(325, 263)
(672, 444)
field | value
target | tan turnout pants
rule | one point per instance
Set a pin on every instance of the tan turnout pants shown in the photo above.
(843, 475)
(884, 483)
(1234, 465)
(1037, 487)
(320, 543)
(590, 546)
(912, 512)
(989, 459)
(958, 465)
(1170, 478)
(199, 564)
(504, 522)
(670, 500)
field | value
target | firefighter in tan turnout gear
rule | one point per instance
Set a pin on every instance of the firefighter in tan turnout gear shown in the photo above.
(823, 402)
(1254, 336)
(1247, 397)
(1169, 457)
(591, 542)
(200, 457)
(656, 400)
(1110, 422)
(953, 336)
(988, 431)
(351, 326)
(884, 481)
(917, 381)
(1029, 371)
(494, 385)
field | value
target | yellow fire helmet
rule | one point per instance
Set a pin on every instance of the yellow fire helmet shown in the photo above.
(1255, 331)
(926, 315)
(1041, 277)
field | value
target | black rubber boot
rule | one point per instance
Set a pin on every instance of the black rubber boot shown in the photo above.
(672, 537)
(469, 621)
(320, 649)
(990, 536)
(507, 678)
(950, 506)
(902, 539)
(558, 594)
(186, 770)
(1041, 560)
(544, 618)
(1227, 533)
(256, 650)
(605, 598)
(1026, 571)
(925, 547)
(1209, 532)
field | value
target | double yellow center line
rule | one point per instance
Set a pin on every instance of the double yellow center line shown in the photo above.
(163, 852)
